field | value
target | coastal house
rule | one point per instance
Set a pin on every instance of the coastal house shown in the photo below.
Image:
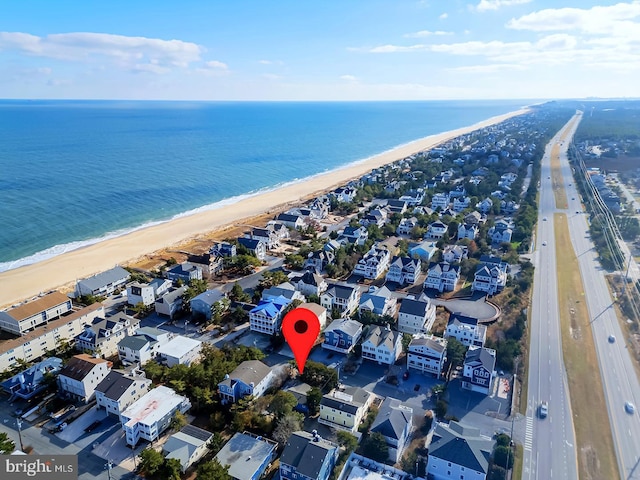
(47, 338)
(382, 345)
(30, 381)
(103, 284)
(210, 264)
(319, 311)
(461, 204)
(490, 275)
(501, 231)
(267, 315)
(344, 194)
(310, 283)
(455, 253)
(342, 335)
(286, 290)
(442, 277)
(224, 249)
(358, 467)
(376, 217)
(179, 350)
(467, 330)
(467, 230)
(140, 293)
(378, 300)
(474, 218)
(344, 298)
(101, 335)
(81, 375)
(440, 201)
(344, 408)
(355, 235)
(485, 205)
(160, 286)
(254, 246)
(436, 230)
(458, 192)
(413, 197)
(291, 220)
(373, 263)
(204, 304)
(394, 422)
(29, 315)
(247, 455)
(266, 235)
(478, 370)
(251, 377)
(143, 345)
(406, 225)
(149, 416)
(117, 391)
(307, 456)
(509, 207)
(170, 303)
(458, 451)
(404, 270)
(427, 354)
(396, 206)
(416, 316)
(281, 231)
(318, 261)
(184, 272)
(187, 446)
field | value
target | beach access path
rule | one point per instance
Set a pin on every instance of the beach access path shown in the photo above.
(28, 281)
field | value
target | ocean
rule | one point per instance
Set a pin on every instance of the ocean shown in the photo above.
(73, 173)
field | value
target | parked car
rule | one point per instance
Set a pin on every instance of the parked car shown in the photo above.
(93, 426)
(543, 410)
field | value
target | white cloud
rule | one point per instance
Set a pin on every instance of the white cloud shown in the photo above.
(348, 78)
(596, 20)
(133, 53)
(427, 33)
(271, 62)
(398, 48)
(444, 16)
(271, 76)
(214, 68)
(489, 68)
(486, 5)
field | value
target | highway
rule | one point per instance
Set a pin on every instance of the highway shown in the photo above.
(618, 374)
(549, 448)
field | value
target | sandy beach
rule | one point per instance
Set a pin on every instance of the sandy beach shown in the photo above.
(30, 280)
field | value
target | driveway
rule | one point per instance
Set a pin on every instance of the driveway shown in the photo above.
(76, 428)
(475, 306)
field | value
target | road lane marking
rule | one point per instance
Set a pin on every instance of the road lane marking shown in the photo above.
(528, 436)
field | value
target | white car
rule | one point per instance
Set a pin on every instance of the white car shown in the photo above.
(543, 411)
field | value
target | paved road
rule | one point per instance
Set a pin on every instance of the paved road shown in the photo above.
(618, 374)
(549, 443)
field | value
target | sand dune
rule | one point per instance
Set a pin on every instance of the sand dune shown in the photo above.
(30, 280)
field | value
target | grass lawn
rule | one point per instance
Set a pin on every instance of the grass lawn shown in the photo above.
(596, 457)
(518, 462)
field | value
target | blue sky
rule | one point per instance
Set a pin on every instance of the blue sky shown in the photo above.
(329, 50)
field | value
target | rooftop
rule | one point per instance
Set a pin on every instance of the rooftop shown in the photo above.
(99, 280)
(178, 346)
(244, 454)
(152, 407)
(41, 304)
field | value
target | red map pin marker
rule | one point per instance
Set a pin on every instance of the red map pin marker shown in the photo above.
(300, 328)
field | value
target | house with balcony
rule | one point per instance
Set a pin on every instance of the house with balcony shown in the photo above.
(291, 220)
(468, 230)
(344, 408)
(355, 235)
(170, 303)
(319, 312)
(204, 304)
(461, 204)
(485, 205)
(81, 375)
(382, 345)
(344, 194)
(184, 272)
(458, 451)
(427, 354)
(117, 391)
(406, 226)
(373, 264)
(436, 230)
(307, 456)
(140, 293)
(440, 201)
(394, 422)
(416, 316)
(344, 298)
(442, 277)
(467, 330)
(179, 350)
(267, 315)
(318, 261)
(30, 381)
(455, 253)
(211, 264)
(501, 231)
(478, 370)
(29, 315)
(247, 455)
(104, 283)
(379, 301)
(266, 235)
(413, 197)
(224, 249)
(148, 417)
(490, 275)
(310, 283)
(342, 335)
(404, 270)
(254, 246)
(376, 217)
(101, 335)
(143, 345)
(251, 377)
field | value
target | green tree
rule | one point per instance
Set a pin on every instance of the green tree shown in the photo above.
(375, 447)
(406, 340)
(286, 425)
(237, 294)
(195, 288)
(455, 353)
(216, 443)
(319, 375)
(212, 470)
(282, 403)
(150, 461)
(503, 440)
(177, 421)
(348, 441)
(496, 472)
(314, 397)
(7, 446)
(171, 469)
(441, 409)
(503, 457)
(272, 278)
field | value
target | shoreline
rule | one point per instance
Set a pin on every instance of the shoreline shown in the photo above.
(61, 270)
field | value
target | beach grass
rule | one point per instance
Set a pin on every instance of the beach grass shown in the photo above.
(596, 455)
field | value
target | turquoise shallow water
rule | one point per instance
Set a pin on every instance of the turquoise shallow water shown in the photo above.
(75, 172)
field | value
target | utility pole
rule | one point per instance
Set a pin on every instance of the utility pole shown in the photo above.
(109, 466)
(19, 424)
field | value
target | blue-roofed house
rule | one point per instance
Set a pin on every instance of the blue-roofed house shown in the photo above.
(342, 335)
(29, 382)
(378, 301)
(266, 316)
(247, 455)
